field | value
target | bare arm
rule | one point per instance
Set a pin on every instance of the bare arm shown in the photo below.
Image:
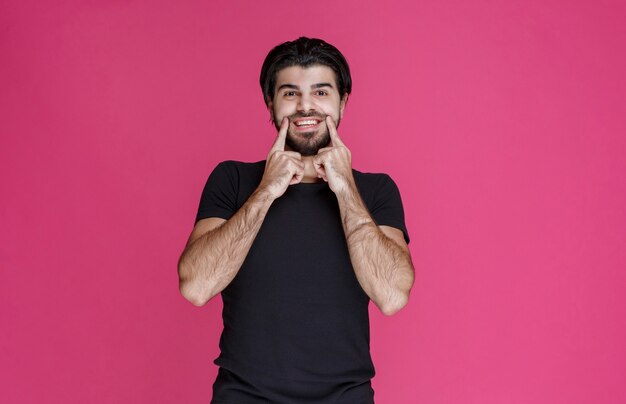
(216, 248)
(379, 255)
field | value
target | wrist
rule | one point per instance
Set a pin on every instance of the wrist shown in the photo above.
(262, 195)
(347, 190)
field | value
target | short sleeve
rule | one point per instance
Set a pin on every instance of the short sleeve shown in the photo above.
(387, 209)
(219, 196)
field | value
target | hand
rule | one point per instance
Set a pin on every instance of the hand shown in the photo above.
(282, 168)
(334, 164)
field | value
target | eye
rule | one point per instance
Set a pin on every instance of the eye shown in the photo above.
(321, 93)
(289, 94)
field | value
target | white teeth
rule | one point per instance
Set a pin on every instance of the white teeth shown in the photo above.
(303, 123)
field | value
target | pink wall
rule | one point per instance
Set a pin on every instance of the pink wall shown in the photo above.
(503, 123)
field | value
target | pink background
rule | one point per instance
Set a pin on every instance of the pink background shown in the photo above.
(503, 123)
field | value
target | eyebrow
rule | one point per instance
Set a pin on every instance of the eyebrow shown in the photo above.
(320, 85)
(294, 87)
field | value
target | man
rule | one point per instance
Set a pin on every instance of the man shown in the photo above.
(297, 245)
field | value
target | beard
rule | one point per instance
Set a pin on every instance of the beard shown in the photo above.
(307, 143)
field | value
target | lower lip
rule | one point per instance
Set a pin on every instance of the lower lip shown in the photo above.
(307, 127)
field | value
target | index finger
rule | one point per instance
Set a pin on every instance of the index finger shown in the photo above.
(279, 143)
(332, 130)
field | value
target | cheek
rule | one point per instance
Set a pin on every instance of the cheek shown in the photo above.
(332, 112)
(283, 110)
(332, 109)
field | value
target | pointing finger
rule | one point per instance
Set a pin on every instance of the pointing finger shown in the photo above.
(332, 130)
(279, 143)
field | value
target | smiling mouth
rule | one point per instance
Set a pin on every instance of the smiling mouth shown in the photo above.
(306, 123)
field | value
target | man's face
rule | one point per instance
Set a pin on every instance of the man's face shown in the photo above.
(306, 96)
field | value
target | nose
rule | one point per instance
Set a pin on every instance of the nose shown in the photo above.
(305, 103)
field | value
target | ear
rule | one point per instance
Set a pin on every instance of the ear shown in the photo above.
(342, 104)
(270, 108)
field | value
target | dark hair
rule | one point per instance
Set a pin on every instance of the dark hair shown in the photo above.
(304, 52)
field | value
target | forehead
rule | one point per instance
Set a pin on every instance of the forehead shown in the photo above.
(305, 77)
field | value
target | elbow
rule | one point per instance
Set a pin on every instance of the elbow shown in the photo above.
(190, 289)
(400, 296)
(194, 298)
(394, 305)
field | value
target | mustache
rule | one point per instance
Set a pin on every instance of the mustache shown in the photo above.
(297, 115)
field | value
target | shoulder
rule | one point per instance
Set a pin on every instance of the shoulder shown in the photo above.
(232, 175)
(237, 171)
(234, 166)
(382, 198)
(372, 183)
(241, 178)
(228, 186)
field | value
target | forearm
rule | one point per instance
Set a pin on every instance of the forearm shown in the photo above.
(211, 262)
(383, 269)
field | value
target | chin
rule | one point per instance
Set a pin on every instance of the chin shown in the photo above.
(306, 143)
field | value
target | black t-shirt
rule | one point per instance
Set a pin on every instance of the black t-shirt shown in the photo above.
(296, 325)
